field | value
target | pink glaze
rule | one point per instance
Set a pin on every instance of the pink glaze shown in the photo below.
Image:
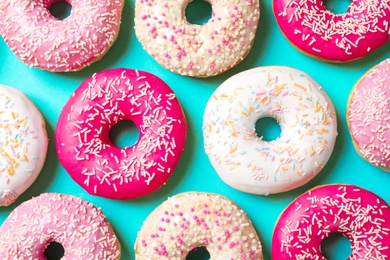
(77, 225)
(197, 219)
(82, 135)
(369, 115)
(43, 41)
(334, 37)
(358, 214)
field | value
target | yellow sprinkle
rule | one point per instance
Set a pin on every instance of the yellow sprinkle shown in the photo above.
(11, 171)
(300, 86)
(294, 151)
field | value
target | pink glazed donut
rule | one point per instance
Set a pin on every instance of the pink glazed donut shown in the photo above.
(77, 225)
(82, 135)
(368, 115)
(41, 40)
(316, 31)
(358, 214)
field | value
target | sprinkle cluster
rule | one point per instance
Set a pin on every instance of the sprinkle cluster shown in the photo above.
(196, 50)
(103, 100)
(23, 144)
(336, 37)
(369, 115)
(358, 214)
(190, 220)
(78, 226)
(43, 41)
(306, 117)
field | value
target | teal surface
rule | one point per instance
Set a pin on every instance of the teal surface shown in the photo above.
(50, 91)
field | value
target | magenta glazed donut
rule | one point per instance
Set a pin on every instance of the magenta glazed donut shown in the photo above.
(358, 214)
(318, 32)
(41, 40)
(77, 225)
(108, 97)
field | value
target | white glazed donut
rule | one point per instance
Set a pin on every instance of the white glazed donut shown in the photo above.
(23, 144)
(197, 50)
(197, 219)
(308, 130)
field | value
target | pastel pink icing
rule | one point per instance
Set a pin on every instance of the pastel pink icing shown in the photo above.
(41, 40)
(334, 37)
(368, 115)
(358, 214)
(82, 135)
(77, 225)
(197, 219)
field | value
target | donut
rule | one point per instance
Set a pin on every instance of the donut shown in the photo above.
(367, 115)
(250, 164)
(43, 41)
(197, 50)
(319, 33)
(356, 213)
(81, 229)
(100, 102)
(23, 144)
(196, 219)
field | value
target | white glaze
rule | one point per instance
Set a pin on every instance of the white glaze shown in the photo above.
(197, 219)
(23, 144)
(306, 116)
(197, 50)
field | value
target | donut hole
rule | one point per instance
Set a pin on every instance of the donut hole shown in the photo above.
(54, 251)
(124, 134)
(337, 6)
(336, 246)
(198, 253)
(198, 12)
(267, 129)
(60, 10)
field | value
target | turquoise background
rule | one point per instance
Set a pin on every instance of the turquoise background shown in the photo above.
(50, 91)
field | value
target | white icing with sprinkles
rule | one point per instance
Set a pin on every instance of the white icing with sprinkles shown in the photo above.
(358, 214)
(308, 130)
(194, 219)
(40, 40)
(77, 225)
(334, 37)
(82, 134)
(23, 144)
(197, 50)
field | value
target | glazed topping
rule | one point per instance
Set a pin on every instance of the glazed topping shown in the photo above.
(336, 37)
(72, 222)
(23, 144)
(43, 41)
(99, 103)
(358, 214)
(190, 220)
(369, 115)
(197, 50)
(308, 129)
